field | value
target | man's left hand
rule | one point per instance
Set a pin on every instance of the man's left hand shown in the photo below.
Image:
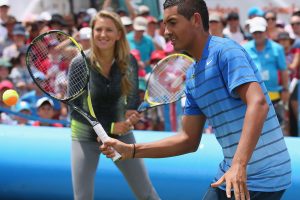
(235, 178)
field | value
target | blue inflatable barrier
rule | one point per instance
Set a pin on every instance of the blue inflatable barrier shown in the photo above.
(35, 164)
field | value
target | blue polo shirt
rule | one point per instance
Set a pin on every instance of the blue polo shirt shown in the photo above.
(268, 61)
(211, 91)
(145, 46)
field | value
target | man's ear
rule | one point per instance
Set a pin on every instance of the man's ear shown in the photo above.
(196, 20)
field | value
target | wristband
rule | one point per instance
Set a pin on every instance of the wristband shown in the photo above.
(112, 127)
(133, 153)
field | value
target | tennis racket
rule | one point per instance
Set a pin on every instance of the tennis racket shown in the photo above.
(61, 59)
(166, 81)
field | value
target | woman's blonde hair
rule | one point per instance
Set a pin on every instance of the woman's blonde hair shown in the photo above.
(121, 50)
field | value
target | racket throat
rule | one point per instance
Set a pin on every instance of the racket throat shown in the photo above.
(86, 116)
(144, 106)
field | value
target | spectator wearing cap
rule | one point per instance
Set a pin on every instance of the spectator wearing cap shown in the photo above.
(127, 22)
(255, 12)
(153, 31)
(4, 117)
(45, 109)
(272, 29)
(292, 55)
(233, 29)
(5, 68)
(216, 24)
(4, 9)
(5, 85)
(36, 93)
(144, 11)
(84, 37)
(269, 58)
(138, 40)
(156, 56)
(22, 107)
(19, 40)
(42, 20)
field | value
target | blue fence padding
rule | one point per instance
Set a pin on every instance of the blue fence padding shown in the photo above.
(35, 164)
(35, 118)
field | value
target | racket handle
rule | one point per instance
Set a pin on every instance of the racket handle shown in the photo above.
(104, 137)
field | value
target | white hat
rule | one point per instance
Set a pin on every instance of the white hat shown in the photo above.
(91, 12)
(85, 33)
(140, 24)
(43, 100)
(142, 9)
(126, 20)
(215, 17)
(44, 16)
(4, 3)
(257, 24)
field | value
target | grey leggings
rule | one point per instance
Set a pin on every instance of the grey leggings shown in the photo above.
(85, 158)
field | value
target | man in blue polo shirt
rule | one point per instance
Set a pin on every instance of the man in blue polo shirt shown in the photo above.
(224, 87)
(269, 57)
(143, 43)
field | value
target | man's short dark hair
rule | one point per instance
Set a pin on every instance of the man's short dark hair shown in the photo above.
(187, 8)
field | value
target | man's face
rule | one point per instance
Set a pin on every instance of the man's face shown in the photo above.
(259, 37)
(46, 111)
(295, 23)
(178, 29)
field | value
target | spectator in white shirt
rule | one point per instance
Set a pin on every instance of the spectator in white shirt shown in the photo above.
(233, 29)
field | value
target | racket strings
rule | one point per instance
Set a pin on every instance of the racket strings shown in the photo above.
(166, 82)
(54, 61)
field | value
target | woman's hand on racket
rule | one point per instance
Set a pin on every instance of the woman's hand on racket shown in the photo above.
(132, 116)
(121, 128)
(126, 150)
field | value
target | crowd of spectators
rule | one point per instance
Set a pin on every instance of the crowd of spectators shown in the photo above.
(273, 45)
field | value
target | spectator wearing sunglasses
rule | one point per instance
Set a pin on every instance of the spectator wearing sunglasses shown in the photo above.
(272, 29)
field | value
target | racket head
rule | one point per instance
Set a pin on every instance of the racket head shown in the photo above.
(57, 65)
(167, 81)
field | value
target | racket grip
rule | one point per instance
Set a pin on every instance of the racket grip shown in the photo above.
(104, 137)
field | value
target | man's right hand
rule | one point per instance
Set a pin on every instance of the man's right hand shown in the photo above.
(126, 150)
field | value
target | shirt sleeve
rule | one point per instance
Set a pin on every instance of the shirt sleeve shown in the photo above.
(236, 68)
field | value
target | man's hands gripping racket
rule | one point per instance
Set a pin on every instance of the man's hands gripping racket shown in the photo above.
(165, 85)
(166, 81)
(60, 58)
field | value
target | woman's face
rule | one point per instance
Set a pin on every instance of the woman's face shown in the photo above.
(271, 19)
(105, 34)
